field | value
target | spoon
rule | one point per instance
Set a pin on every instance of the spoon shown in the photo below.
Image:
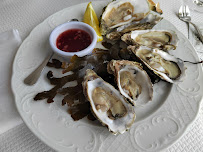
(34, 76)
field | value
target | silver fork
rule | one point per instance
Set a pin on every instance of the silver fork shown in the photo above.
(184, 15)
(180, 14)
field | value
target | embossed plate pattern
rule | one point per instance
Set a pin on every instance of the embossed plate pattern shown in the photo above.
(159, 123)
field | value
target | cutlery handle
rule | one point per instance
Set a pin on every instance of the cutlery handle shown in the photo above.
(34, 76)
(198, 31)
(188, 30)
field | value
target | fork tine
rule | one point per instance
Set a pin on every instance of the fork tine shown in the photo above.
(184, 11)
(180, 11)
(187, 10)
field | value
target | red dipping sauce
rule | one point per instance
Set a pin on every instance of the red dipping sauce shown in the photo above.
(73, 40)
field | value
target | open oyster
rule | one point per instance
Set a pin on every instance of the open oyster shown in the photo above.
(161, 39)
(121, 12)
(133, 82)
(107, 104)
(166, 66)
(147, 23)
(117, 33)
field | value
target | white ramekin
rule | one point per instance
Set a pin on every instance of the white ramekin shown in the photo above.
(72, 25)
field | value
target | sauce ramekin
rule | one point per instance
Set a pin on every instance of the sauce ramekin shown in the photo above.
(68, 26)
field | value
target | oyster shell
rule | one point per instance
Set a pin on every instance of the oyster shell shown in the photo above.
(152, 19)
(107, 104)
(116, 35)
(121, 12)
(166, 66)
(133, 82)
(155, 7)
(161, 39)
(147, 23)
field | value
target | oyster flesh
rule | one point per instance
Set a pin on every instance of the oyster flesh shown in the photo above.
(147, 23)
(161, 39)
(107, 104)
(116, 35)
(166, 66)
(133, 82)
(121, 12)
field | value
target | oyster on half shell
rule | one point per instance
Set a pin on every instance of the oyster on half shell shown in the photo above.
(107, 104)
(121, 12)
(147, 23)
(161, 39)
(166, 66)
(133, 82)
(116, 35)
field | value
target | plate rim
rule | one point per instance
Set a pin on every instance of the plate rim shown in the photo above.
(41, 137)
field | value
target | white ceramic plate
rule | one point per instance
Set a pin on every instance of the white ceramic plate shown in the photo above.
(159, 123)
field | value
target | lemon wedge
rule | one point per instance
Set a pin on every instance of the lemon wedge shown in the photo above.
(90, 18)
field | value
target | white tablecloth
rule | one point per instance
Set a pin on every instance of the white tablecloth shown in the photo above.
(24, 15)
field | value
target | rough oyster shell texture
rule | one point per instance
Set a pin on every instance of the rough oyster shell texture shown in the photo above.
(147, 23)
(107, 104)
(161, 39)
(166, 66)
(121, 17)
(132, 81)
(121, 12)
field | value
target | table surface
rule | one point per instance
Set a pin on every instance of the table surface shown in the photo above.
(25, 15)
